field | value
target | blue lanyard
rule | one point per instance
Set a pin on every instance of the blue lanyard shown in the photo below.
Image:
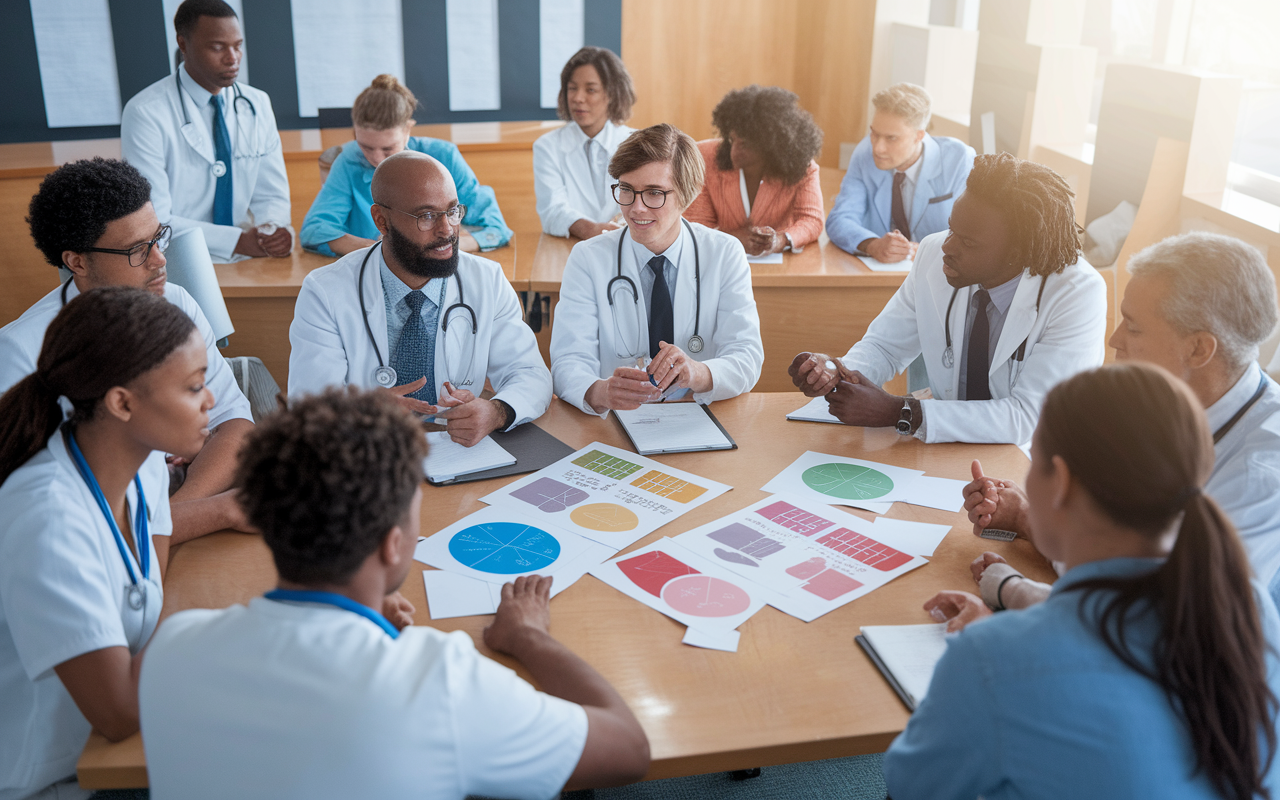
(333, 599)
(144, 550)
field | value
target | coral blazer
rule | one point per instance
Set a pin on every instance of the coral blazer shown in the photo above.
(795, 209)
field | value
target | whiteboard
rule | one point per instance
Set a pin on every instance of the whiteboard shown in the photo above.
(339, 47)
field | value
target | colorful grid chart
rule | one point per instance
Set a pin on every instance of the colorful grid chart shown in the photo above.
(671, 488)
(868, 551)
(607, 465)
(550, 495)
(747, 540)
(795, 519)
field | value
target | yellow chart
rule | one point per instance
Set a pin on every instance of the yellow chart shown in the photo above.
(605, 517)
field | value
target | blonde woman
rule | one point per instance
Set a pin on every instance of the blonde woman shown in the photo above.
(339, 220)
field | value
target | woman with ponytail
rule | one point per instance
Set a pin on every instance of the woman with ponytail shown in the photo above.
(82, 496)
(1150, 670)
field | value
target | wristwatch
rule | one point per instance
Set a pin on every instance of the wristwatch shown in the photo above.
(904, 419)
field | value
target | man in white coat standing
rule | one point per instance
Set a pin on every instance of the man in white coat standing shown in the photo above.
(417, 317)
(1002, 307)
(208, 145)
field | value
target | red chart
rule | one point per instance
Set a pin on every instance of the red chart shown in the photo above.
(705, 596)
(653, 570)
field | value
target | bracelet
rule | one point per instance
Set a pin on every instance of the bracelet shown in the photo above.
(1000, 588)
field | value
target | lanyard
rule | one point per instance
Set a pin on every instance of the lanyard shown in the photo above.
(1231, 423)
(144, 551)
(333, 599)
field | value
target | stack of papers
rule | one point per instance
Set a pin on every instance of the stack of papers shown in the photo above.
(446, 459)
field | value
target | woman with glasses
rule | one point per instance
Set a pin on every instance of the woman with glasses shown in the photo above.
(663, 308)
(95, 218)
(382, 119)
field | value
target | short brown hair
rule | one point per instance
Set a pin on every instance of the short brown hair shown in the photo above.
(613, 74)
(386, 104)
(664, 142)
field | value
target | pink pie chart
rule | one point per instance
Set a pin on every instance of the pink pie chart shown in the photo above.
(705, 596)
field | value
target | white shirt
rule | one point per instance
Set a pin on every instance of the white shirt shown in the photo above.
(62, 594)
(176, 153)
(303, 700)
(20, 343)
(568, 187)
(1246, 470)
(590, 338)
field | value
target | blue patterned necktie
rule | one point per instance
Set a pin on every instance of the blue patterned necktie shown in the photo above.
(661, 317)
(415, 353)
(221, 152)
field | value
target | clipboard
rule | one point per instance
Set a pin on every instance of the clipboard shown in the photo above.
(667, 451)
(532, 447)
(884, 670)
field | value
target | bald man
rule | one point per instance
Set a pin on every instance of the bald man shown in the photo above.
(418, 318)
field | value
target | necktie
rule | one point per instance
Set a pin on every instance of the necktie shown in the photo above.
(415, 353)
(898, 214)
(222, 153)
(661, 318)
(978, 362)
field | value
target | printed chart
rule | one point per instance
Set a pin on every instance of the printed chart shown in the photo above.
(847, 481)
(811, 559)
(607, 495)
(823, 478)
(498, 546)
(684, 586)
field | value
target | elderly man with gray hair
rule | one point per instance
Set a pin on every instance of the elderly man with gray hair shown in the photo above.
(901, 181)
(1198, 305)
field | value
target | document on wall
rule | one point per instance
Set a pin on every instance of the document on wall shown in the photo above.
(446, 459)
(656, 428)
(560, 35)
(906, 656)
(77, 58)
(475, 80)
(334, 67)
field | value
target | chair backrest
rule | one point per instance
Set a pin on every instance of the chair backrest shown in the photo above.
(326, 161)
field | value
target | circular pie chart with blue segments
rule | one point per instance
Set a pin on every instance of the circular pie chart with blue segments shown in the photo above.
(847, 481)
(504, 548)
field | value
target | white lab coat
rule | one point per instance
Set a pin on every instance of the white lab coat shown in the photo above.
(331, 346)
(583, 349)
(178, 159)
(1066, 336)
(564, 182)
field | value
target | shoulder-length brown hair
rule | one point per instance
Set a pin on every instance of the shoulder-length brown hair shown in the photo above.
(613, 74)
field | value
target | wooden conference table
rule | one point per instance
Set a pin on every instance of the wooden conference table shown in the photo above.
(793, 692)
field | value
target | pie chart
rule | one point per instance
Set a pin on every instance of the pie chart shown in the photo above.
(605, 517)
(504, 548)
(705, 596)
(847, 481)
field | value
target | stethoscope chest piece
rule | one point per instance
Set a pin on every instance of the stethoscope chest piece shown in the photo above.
(136, 596)
(948, 358)
(696, 344)
(219, 169)
(385, 376)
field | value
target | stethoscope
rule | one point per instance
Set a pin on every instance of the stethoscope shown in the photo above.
(195, 137)
(948, 355)
(385, 375)
(337, 601)
(696, 344)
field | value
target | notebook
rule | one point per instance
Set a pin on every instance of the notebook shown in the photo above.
(816, 410)
(905, 656)
(656, 428)
(530, 447)
(447, 460)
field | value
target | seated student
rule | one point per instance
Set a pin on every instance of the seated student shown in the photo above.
(1002, 307)
(664, 305)
(339, 220)
(418, 318)
(213, 157)
(79, 579)
(395, 710)
(571, 164)
(762, 181)
(1151, 669)
(901, 182)
(1198, 305)
(95, 218)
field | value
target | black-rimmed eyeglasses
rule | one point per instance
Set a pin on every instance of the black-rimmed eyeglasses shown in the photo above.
(139, 253)
(427, 219)
(652, 198)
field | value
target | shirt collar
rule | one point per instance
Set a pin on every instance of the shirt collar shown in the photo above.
(605, 137)
(913, 172)
(1235, 398)
(1106, 568)
(1002, 295)
(643, 254)
(396, 290)
(199, 95)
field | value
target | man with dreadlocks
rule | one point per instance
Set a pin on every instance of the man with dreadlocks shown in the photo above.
(1002, 307)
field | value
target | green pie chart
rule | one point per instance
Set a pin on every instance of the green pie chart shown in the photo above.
(847, 481)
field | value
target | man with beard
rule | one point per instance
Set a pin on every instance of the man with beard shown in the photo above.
(1001, 306)
(418, 318)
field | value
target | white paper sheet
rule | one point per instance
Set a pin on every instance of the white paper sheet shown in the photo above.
(941, 493)
(606, 494)
(447, 459)
(910, 652)
(768, 258)
(816, 410)
(77, 57)
(498, 546)
(340, 47)
(684, 586)
(171, 7)
(876, 265)
(475, 82)
(842, 481)
(452, 595)
(672, 428)
(712, 640)
(560, 35)
(810, 558)
(916, 538)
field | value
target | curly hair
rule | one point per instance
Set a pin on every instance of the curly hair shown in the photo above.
(328, 478)
(77, 201)
(613, 74)
(1037, 203)
(782, 133)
